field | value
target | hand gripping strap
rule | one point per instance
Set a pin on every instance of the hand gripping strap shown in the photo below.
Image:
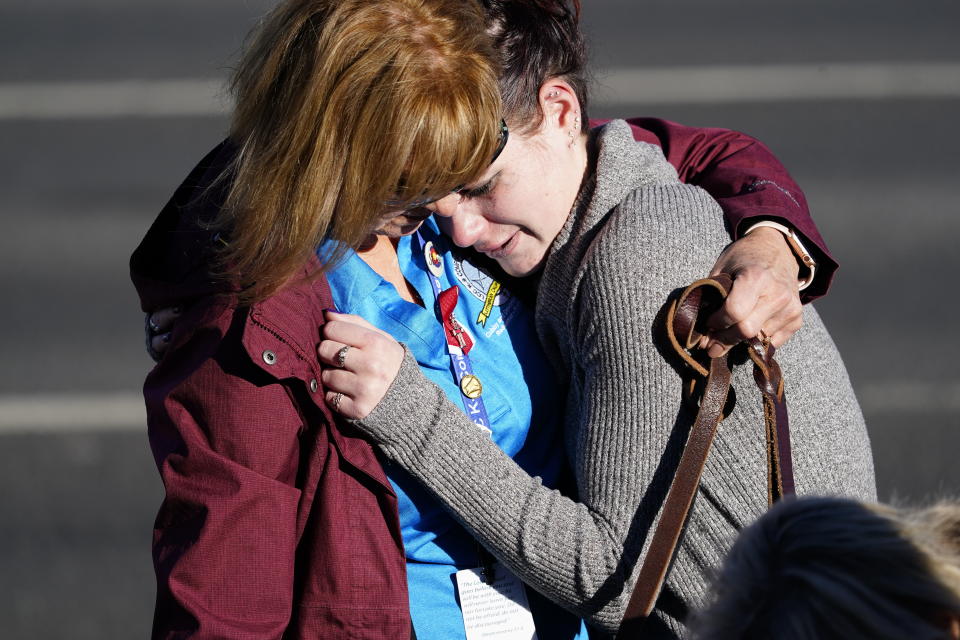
(695, 304)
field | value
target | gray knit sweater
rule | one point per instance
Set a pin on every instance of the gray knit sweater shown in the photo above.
(635, 234)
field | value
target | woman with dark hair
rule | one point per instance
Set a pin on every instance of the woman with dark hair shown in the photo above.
(608, 231)
(237, 423)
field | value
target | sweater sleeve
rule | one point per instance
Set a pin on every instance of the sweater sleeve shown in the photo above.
(583, 555)
(565, 550)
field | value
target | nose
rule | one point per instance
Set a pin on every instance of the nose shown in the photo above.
(459, 219)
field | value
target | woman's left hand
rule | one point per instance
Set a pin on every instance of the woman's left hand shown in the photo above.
(360, 361)
(765, 295)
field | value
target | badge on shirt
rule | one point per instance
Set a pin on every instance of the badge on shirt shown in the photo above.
(488, 303)
(498, 611)
(470, 386)
(482, 286)
(432, 256)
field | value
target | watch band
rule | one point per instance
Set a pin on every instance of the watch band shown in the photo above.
(796, 245)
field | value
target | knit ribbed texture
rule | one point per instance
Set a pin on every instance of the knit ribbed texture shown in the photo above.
(635, 235)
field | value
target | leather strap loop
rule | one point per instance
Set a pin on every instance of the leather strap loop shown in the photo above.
(684, 329)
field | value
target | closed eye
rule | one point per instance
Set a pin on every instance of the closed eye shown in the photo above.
(482, 190)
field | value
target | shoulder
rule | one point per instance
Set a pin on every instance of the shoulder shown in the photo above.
(171, 263)
(242, 382)
(624, 162)
(658, 226)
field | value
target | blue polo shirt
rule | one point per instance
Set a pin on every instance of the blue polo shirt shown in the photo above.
(522, 399)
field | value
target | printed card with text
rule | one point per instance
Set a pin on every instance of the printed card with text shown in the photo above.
(498, 611)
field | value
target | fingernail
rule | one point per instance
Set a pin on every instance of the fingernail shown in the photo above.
(154, 327)
(165, 337)
(177, 310)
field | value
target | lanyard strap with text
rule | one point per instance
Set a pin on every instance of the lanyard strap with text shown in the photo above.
(458, 340)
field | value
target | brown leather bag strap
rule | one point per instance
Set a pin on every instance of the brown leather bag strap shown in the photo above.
(769, 379)
(697, 301)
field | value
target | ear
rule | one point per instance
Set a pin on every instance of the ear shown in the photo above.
(560, 107)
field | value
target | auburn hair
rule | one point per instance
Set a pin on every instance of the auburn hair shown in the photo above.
(341, 106)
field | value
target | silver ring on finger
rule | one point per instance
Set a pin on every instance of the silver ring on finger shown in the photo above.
(336, 401)
(341, 356)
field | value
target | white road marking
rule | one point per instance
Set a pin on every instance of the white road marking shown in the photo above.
(73, 412)
(113, 99)
(763, 83)
(634, 86)
(124, 410)
(905, 396)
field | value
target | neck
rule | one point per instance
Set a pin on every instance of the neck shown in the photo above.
(583, 173)
(380, 254)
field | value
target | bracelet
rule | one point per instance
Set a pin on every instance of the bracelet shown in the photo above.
(800, 251)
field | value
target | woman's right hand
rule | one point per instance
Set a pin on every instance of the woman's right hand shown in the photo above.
(158, 328)
(360, 361)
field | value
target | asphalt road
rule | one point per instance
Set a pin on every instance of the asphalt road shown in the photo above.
(77, 502)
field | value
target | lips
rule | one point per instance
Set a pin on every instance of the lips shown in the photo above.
(501, 250)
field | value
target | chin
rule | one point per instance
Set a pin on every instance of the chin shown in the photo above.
(521, 270)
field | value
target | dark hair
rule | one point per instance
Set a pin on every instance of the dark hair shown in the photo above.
(832, 568)
(536, 40)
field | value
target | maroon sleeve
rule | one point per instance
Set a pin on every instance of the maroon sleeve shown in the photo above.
(226, 445)
(745, 178)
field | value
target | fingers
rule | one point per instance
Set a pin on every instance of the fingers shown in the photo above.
(158, 329)
(756, 302)
(329, 351)
(159, 345)
(777, 328)
(353, 330)
(338, 334)
(764, 294)
(360, 363)
(162, 320)
(334, 316)
(359, 392)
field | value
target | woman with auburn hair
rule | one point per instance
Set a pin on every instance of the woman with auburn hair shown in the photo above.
(834, 569)
(275, 522)
(605, 231)
(290, 497)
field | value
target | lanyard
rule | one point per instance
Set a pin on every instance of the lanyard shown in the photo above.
(458, 345)
(458, 340)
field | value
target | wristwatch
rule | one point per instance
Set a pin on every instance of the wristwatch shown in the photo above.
(796, 245)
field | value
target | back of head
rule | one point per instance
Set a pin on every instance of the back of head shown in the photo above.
(536, 40)
(342, 105)
(831, 568)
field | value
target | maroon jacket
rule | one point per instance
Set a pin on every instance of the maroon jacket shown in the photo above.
(278, 522)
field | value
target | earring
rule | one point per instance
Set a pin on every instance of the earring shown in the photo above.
(573, 132)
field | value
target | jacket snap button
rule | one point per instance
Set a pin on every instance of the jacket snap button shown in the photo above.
(313, 385)
(269, 357)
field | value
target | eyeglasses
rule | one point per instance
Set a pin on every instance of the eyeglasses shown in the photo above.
(501, 143)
